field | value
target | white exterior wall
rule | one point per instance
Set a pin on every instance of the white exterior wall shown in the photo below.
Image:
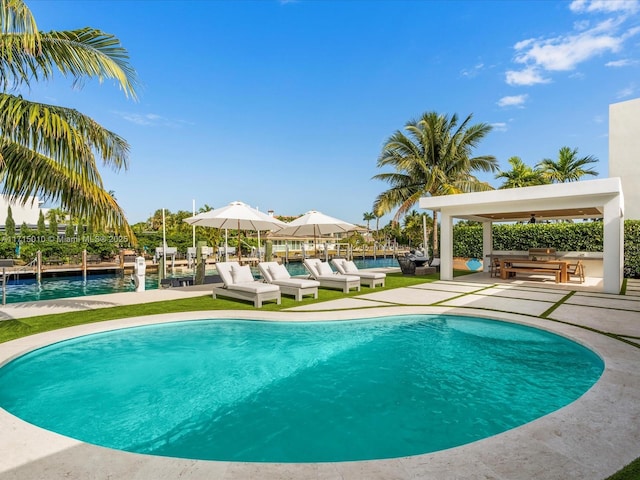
(624, 152)
(27, 213)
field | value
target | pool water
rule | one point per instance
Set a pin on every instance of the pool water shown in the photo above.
(25, 289)
(259, 391)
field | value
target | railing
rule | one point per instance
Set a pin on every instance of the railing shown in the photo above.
(29, 267)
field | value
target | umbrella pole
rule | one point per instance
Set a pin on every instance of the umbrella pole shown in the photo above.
(239, 245)
(226, 244)
(315, 241)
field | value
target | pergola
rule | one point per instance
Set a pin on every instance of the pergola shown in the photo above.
(600, 198)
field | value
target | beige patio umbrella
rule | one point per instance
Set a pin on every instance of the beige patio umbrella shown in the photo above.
(315, 224)
(236, 216)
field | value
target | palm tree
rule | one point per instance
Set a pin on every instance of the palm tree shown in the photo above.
(521, 175)
(433, 159)
(52, 151)
(568, 167)
(367, 217)
(413, 228)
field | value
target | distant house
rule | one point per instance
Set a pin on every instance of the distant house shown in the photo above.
(27, 213)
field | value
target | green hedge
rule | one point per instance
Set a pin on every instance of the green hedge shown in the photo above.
(572, 237)
(632, 248)
(105, 245)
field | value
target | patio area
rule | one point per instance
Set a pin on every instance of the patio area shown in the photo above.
(591, 438)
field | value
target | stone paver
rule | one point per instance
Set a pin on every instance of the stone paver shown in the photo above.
(633, 288)
(410, 296)
(527, 294)
(622, 322)
(533, 307)
(530, 288)
(617, 302)
(449, 287)
(339, 304)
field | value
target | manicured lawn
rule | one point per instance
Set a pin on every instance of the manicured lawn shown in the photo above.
(630, 472)
(12, 329)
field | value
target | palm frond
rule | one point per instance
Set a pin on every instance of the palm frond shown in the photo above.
(64, 134)
(88, 52)
(26, 173)
(27, 55)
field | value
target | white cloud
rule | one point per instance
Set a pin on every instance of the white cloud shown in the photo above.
(528, 76)
(607, 6)
(513, 101)
(500, 126)
(626, 92)
(621, 63)
(566, 52)
(473, 71)
(148, 119)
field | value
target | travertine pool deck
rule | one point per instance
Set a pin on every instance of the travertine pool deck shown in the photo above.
(589, 439)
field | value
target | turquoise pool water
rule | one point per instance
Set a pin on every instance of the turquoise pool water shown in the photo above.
(28, 290)
(24, 289)
(298, 391)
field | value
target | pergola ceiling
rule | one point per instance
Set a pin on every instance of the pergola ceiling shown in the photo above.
(540, 214)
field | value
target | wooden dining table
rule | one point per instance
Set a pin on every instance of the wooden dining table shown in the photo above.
(513, 265)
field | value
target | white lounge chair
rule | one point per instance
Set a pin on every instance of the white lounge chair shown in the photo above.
(239, 283)
(322, 272)
(369, 279)
(277, 274)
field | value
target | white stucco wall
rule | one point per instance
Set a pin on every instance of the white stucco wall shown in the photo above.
(624, 152)
(27, 213)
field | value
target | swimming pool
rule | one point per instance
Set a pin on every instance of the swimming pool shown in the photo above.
(25, 289)
(296, 391)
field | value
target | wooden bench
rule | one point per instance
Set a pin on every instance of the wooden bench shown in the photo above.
(550, 270)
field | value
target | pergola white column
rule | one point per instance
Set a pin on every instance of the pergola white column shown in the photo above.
(600, 198)
(487, 244)
(446, 247)
(613, 260)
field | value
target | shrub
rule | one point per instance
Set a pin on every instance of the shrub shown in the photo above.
(632, 248)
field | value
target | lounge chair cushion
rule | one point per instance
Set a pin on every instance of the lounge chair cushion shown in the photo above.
(297, 283)
(349, 267)
(324, 269)
(278, 272)
(254, 287)
(241, 274)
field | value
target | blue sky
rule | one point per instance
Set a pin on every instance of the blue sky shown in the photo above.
(285, 105)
